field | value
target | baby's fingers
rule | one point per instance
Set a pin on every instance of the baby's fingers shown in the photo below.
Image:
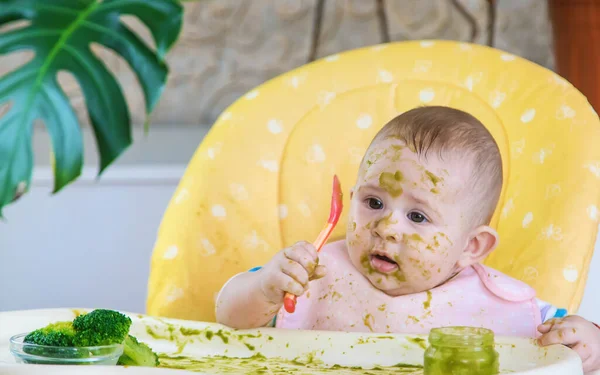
(304, 254)
(289, 285)
(565, 336)
(546, 327)
(320, 272)
(295, 271)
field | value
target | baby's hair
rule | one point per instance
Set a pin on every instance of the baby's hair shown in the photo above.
(451, 131)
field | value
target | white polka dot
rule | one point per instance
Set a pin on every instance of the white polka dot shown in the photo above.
(465, 46)
(218, 211)
(226, 116)
(332, 58)
(213, 151)
(325, 97)
(531, 273)
(473, 79)
(171, 252)
(517, 148)
(469, 83)
(426, 95)
(527, 219)
(269, 165)
(206, 248)
(315, 154)
(385, 76)
(427, 43)
(551, 232)
(528, 115)
(507, 57)
(379, 47)
(540, 156)
(182, 196)
(275, 126)
(422, 66)
(174, 294)
(356, 154)
(251, 95)
(239, 192)
(592, 212)
(553, 190)
(565, 112)
(594, 168)
(497, 98)
(283, 211)
(304, 209)
(570, 273)
(364, 121)
(559, 80)
(593, 111)
(254, 242)
(508, 207)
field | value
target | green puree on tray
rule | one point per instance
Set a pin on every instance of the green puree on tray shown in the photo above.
(259, 364)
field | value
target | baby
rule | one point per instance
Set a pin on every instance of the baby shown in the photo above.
(418, 229)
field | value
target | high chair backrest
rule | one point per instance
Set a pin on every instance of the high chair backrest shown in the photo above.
(261, 179)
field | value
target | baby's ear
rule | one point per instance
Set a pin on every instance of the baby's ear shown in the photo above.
(482, 241)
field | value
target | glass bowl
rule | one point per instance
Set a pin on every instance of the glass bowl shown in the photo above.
(63, 355)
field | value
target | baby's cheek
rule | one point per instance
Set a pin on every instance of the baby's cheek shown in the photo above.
(427, 255)
(420, 268)
(351, 225)
(356, 237)
(426, 245)
(438, 244)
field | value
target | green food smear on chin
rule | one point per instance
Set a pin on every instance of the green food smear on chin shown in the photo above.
(366, 263)
(259, 364)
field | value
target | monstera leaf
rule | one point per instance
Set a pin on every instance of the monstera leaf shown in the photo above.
(60, 33)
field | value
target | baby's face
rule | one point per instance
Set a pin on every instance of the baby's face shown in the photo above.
(408, 223)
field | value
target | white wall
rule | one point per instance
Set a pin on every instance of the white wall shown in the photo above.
(88, 246)
(110, 226)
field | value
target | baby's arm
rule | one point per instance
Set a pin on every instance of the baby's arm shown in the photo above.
(252, 299)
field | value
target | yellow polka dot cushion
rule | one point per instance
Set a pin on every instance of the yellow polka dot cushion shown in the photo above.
(261, 179)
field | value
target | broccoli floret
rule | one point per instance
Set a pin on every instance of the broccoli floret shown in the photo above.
(137, 353)
(59, 334)
(101, 327)
(55, 334)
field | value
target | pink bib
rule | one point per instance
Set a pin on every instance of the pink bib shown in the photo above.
(479, 296)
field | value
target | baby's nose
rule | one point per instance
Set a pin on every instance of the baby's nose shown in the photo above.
(387, 233)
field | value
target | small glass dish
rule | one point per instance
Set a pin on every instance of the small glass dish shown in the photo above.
(63, 355)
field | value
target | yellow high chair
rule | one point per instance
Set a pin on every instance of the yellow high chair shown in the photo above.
(261, 179)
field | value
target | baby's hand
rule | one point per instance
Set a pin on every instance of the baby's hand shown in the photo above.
(576, 333)
(290, 270)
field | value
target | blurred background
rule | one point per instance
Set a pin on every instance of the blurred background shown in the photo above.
(227, 47)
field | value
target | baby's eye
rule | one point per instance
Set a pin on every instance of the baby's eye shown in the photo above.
(374, 203)
(417, 217)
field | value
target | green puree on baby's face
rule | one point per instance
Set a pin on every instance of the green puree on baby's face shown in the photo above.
(259, 364)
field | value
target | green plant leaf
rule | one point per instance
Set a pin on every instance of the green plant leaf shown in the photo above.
(60, 34)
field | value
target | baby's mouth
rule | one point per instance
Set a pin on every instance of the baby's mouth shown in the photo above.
(382, 263)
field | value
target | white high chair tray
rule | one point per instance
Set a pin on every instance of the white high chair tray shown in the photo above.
(308, 352)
